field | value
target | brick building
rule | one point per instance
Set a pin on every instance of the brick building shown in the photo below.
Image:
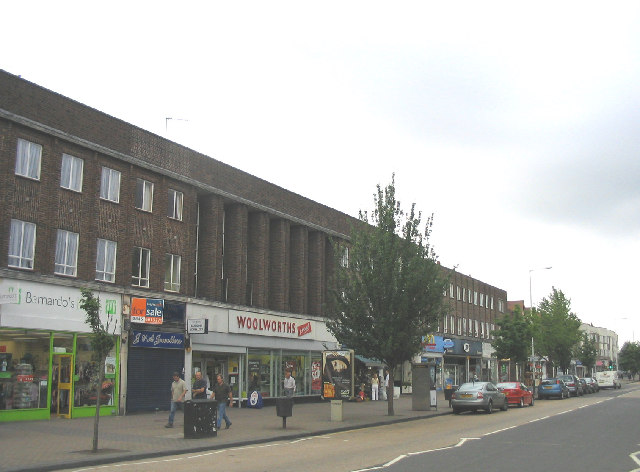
(199, 267)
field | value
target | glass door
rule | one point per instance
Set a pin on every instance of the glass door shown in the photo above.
(62, 385)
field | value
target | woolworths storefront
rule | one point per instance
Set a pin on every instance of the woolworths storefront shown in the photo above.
(46, 363)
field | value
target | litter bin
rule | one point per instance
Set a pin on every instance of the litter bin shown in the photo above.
(200, 418)
(284, 409)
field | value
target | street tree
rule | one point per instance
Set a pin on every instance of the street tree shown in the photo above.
(587, 352)
(629, 358)
(388, 293)
(513, 336)
(556, 330)
(102, 341)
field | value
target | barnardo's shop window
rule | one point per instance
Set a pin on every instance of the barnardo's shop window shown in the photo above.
(86, 375)
(24, 369)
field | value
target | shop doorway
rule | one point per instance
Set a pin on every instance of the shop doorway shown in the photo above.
(62, 385)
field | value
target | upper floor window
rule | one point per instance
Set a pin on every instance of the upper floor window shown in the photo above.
(28, 159)
(446, 324)
(22, 244)
(450, 290)
(458, 292)
(110, 185)
(71, 173)
(492, 303)
(106, 260)
(172, 272)
(66, 262)
(144, 195)
(482, 299)
(344, 260)
(140, 267)
(174, 209)
(475, 297)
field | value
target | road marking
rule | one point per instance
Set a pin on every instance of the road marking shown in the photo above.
(634, 458)
(501, 430)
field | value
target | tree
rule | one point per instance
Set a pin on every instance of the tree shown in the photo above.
(513, 337)
(388, 293)
(556, 329)
(587, 352)
(629, 357)
(102, 341)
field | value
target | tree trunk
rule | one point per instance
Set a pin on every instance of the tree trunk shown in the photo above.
(96, 420)
(390, 411)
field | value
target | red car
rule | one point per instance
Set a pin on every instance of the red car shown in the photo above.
(517, 393)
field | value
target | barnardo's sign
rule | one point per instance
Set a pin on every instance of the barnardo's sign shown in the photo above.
(157, 340)
(268, 325)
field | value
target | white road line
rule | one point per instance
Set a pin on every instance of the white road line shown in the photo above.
(501, 430)
(634, 458)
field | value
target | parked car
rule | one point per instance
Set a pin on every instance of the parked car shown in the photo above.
(573, 384)
(586, 388)
(608, 379)
(595, 388)
(549, 388)
(474, 396)
(517, 393)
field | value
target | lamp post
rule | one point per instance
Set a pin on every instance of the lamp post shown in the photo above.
(533, 360)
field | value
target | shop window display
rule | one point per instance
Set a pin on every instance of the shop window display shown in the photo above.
(86, 375)
(24, 367)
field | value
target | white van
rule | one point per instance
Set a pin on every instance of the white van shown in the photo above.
(608, 379)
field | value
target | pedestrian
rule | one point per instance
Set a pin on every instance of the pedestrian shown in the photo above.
(199, 390)
(288, 384)
(222, 394)
(385, 385)
(375, 383)
(178, 391)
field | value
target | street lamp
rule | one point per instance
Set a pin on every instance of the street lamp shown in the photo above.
(533, 356)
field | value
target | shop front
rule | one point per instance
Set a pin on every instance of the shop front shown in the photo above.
(252, 351)
(47, 367)
(462, 361)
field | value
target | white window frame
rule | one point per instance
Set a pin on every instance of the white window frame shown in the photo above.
(445, 327)
(464, 326)
(71, 172)
(475, 328)
(28, 159)
(450, 290)
(482, 299)
(475, 298)
(459, 326)
(344, 260)
(172, 265)
(144, 195)
(459, 295)
(141, 278)
(492, 303)
(23, 247)
(106, 253)
(110, 185)
(66, 258)
(175, 204)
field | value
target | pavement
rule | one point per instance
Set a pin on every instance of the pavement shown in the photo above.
(66, 443)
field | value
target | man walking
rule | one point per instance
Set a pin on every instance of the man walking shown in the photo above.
(178, 391)
(222, 393)
(199, 390)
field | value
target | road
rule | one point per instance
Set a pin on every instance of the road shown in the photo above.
(594, 432)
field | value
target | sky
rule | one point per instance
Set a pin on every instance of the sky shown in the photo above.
(517, 125)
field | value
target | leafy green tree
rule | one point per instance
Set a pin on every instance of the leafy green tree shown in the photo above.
(629, 357)
(513, 337)
(389, 294)
(102, 341)
(556, 329)
(587, 352)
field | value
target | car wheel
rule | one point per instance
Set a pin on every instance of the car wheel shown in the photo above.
(505, 405)
(521, 402)
(531, 404)
(456, 411)
(489, 408)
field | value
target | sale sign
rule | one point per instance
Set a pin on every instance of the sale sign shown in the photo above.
(147, 310)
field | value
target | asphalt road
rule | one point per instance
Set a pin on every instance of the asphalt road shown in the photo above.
(592, 433)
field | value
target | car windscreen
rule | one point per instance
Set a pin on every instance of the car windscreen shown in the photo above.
(548, 382)
(471, 386)
(510, 385)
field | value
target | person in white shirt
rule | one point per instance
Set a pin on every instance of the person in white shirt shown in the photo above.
(289, 384)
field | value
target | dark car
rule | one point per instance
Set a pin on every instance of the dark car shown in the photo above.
(595, 388)
(550, 388)
(586, 388)
(573, 384)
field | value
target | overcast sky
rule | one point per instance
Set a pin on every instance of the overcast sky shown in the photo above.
(517, 126)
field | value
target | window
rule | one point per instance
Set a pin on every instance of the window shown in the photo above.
(106, 261)
(140, 267)
(464, 294)
(475, 328)
(110, 185)
(344, 261)
(492, 303)
(451, 290)
(464, 326)
(28, 159)
(66, 262)
(482, 299)
(446, 327)
(453, 324)
(144, 195)
(459, 295)
(172, 272)
(475, 297)
(482, 329)
(22, 243)
(71, 173)
(174, 209)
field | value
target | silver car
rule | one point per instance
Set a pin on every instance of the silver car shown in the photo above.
(473, 396)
